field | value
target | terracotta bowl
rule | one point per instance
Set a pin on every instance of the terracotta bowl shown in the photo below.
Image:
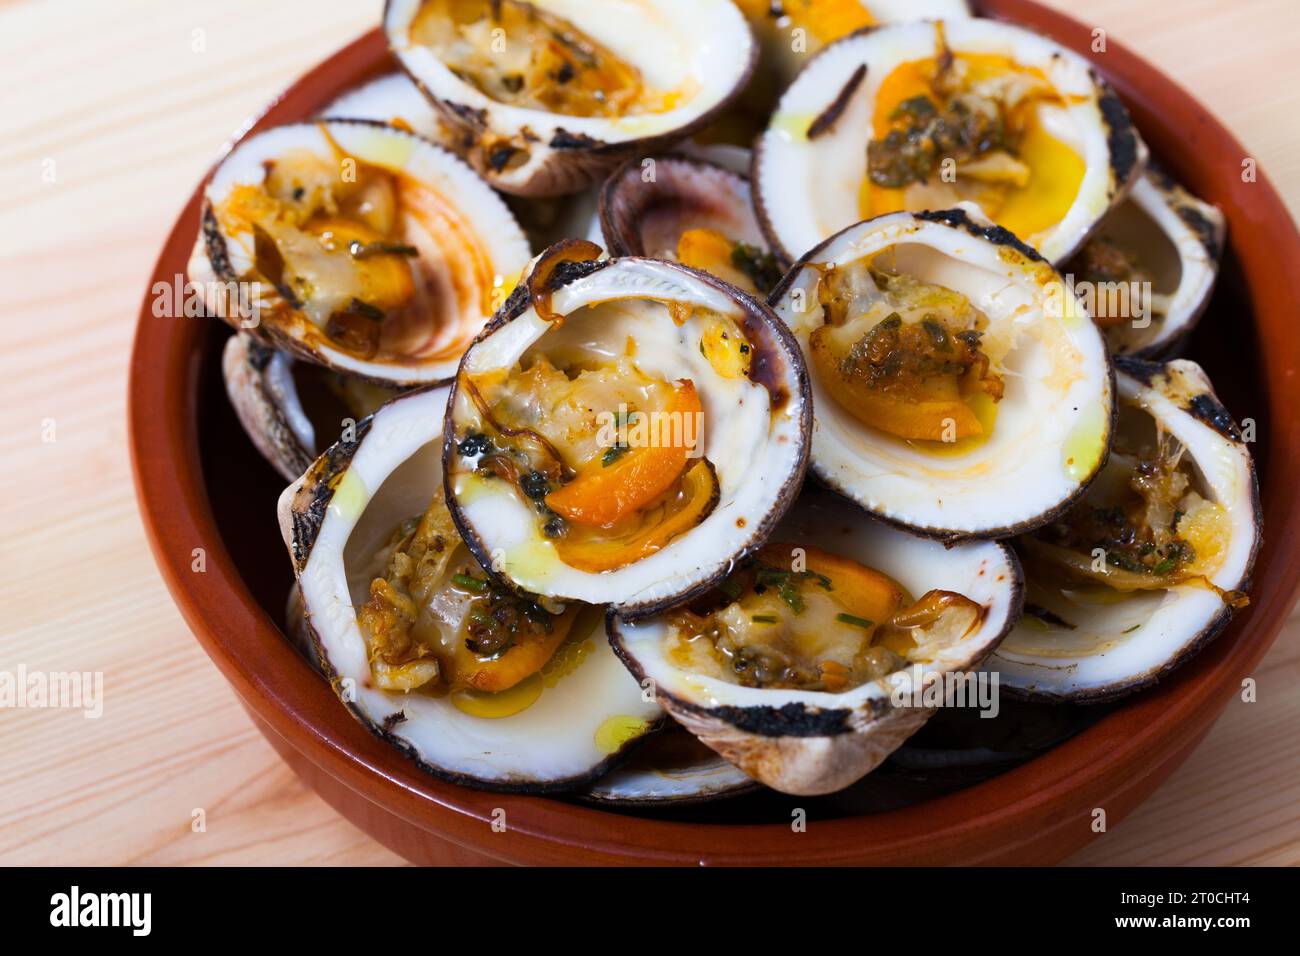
(201, 484)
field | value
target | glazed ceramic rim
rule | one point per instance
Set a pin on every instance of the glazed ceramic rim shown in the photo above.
(1037, 811)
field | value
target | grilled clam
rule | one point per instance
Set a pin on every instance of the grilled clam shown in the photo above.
(366, 248)
(1153, 561)
(479, 685)
(961, 389)
(928, 115)
(624, 430)
(551, 95)
(807, 666)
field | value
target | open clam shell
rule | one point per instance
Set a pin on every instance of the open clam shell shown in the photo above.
(1050, 430)
(1151, 266)
(827, 157)
(672, 768)
(336, 519)
(1102, 631)
(689, 210)
(636, 76)
(433, 249)
(266, 389)
(577, 322)
(816, 741)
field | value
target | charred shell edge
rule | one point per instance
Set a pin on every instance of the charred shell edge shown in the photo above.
(243, 365)
(617, 239)
(1212, 234)
(1152, 374)
(590, 159)
(757, 316)
(1128, 154)
(796, 719)
(312, 495)
(957, 219)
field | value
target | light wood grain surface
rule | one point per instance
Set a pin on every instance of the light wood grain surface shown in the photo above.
(110, 113)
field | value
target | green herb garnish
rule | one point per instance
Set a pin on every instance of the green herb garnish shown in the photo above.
(760, 266)
(791, 596)
(856, 621)
(468, 582)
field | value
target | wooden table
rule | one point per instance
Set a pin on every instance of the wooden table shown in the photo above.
(111, 112)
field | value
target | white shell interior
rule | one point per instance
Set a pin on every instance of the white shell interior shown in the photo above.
(392, 97)
(809, 188)
(393, 475)
(1114, 645)
(1052, 422)
(754, 449)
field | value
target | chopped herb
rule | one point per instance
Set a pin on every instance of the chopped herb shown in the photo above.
(917, 107)
(759, 265)
(535, 485)
(468, 582)
(791, 596)
(786, 584)
(856, 621)
(926, 132)
(763, 619)
(938, 334)
(613, 454)
(1130, 630)
(474, 444)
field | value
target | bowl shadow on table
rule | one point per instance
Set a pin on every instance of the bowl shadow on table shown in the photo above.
(956, 749)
